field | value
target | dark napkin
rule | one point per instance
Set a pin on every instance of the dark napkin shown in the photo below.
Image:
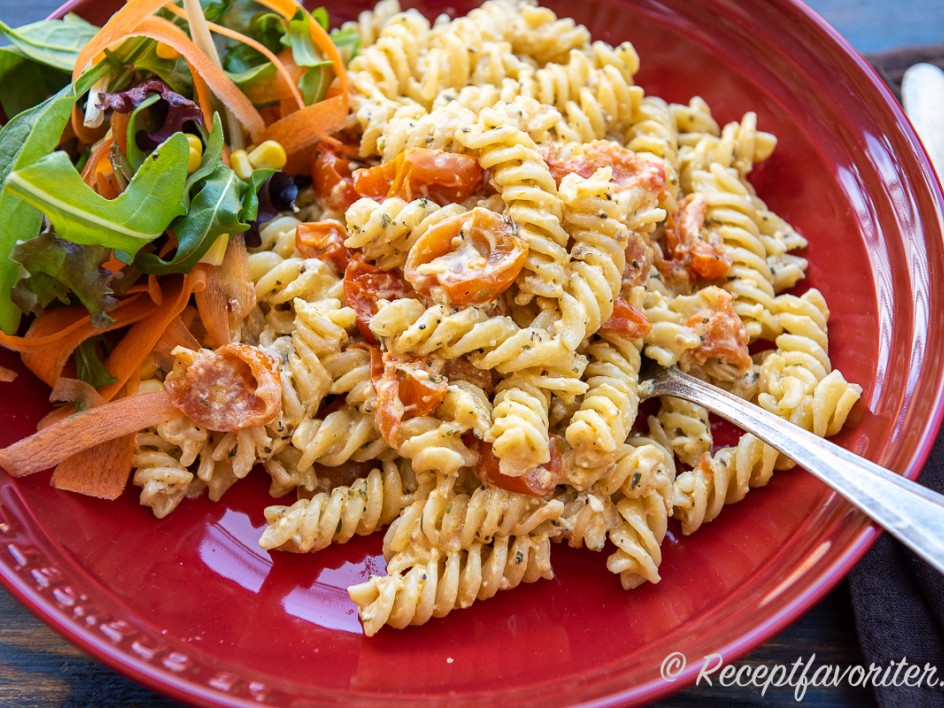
(898, 599)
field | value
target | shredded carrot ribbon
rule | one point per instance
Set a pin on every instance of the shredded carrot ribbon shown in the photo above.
(128, 355)
(53, 444)
(101, 471)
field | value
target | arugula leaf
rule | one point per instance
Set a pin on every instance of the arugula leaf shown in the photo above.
(89, 366)
(154, 197)
(136, 155)
(266, 28)
(212, 154)
(24, 140)
(315, 81)
(55, 268)
(348, 41)
(55, 43)
(214, 211)
(26, 83)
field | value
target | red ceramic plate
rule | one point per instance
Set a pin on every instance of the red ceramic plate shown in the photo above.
(191, 606)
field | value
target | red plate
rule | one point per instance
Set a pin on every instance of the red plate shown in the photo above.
(191, 606)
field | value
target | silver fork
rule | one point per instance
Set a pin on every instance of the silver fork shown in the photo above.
(911, 513)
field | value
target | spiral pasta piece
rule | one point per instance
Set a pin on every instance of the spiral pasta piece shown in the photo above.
(163, 479)
(360, 509)
(732, 217)
(450, 581)
(385, 231)
(524, 181)
(519, 433)
(452, 521)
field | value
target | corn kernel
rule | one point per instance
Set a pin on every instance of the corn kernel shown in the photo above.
(148, 368)
(216, 252)
(239, 161)
(269, 155)
(150, 386)
(165, 51)
(196, 153)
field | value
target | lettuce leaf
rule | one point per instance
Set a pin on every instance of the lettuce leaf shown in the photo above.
(55, 43)
(56, 268)
(24, 140)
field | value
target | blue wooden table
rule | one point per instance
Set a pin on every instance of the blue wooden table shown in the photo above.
(38, 668)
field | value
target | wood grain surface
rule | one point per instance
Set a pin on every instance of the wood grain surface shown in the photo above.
(39, 668)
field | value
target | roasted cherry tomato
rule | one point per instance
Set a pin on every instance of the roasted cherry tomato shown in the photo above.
(405, 389)
(627, 321)
(323, 240)
(467, 259)
(231, 388)
(444, 177)
(331, 176)
(686, 246)
(629, 169)
(538, 482)
(364, 285)
(723, 335)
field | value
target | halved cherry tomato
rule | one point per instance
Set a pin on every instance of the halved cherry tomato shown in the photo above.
(467, 259)
(231, 388)
(538, 482)
(375, 182)
(323, 240)
(444, 177)
(685, 245)
(405, 389)
(629, 169)
(331, 176)
(723, 334)
(364, 285)
(627, 321)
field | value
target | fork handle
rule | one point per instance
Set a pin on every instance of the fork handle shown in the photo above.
(911, 513)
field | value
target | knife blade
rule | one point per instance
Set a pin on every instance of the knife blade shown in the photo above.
(922, 94)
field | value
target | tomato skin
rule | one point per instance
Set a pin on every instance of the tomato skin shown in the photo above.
(486, 262)
(627, 321)
(323, 240)
(444, 177)
(364, 285)
(630, 171)
(374, 182)
(538, 482)
(723, 334)
(331, 177)
(405, 389)
(231, 388)
(701, 258)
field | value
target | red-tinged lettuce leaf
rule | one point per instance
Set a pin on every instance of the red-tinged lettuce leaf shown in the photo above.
(170, 114)
(54, 269)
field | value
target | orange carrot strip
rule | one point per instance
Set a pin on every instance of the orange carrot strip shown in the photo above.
(91, 165)
(302, 129)
(119, 129)
(101, 471)
(177, 334)
(118, 28)
(54, 335)
(204, 99)
(259, 47)
(67, 390)
(50, 446)
(154, 289)
(128, 355)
